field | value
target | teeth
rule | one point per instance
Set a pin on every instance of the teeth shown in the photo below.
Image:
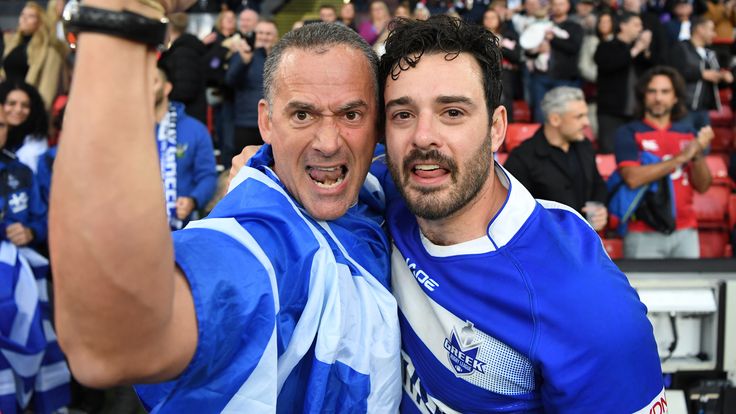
(323, 185)
(427, 167)
(325, 168)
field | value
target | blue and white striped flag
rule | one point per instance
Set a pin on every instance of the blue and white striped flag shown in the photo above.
(32, 366)
(294, 314)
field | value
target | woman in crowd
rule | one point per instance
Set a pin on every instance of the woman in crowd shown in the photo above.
(375, 30)
(33, 54)
(27, 121)
(603, 33)
(508, 40)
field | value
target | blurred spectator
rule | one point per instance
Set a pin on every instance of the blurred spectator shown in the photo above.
(562, 41)
(347, 15)
(534, 11)
(658, 150)
(403, 10)
(33, 54)
(247, 21)
(35, 378)
(327, 13)
(375, 30)
(225, 26)
(511, 57)
(53, 19)
(620, 62)
(184, 62)
(27, 121)
(189, 175)
(678, 28)
(659, 45)
(245, 76)
(421, 12)
(603, 33)
(585, 16)
(558, 162)
(220, 96)
(23, 216)
(699, 67)
(721, 12)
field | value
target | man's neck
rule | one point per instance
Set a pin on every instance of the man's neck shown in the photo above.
(624, 39)
(555, 139)
(470, 222)
(161, 109)
(660, 122)
(697, 42)
(559, 18)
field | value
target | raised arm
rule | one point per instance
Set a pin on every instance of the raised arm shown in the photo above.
(123, 315)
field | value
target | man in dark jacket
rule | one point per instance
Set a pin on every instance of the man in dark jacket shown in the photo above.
(563, 42)
(699, 67)
(245, 76)
(184, 62)
(620, 63)
(558, 162)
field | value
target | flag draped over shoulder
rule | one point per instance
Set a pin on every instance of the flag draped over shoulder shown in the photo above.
(294, 314)
(32, 367)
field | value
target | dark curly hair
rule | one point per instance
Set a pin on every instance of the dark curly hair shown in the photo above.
(679, 110)
(37, 124)
(408, 40)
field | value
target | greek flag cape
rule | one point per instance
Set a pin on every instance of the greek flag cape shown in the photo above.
(294, 315)
(31, 363)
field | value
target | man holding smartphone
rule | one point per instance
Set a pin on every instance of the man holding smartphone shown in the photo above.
(245, 76)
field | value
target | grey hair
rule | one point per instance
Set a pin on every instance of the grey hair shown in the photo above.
(319, 38)
(555, 101)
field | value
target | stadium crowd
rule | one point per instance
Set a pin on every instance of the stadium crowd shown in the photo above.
(621, 110)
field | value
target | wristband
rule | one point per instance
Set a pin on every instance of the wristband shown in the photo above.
(125, 24)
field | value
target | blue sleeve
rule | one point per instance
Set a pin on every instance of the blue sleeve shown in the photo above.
(234, 305)
(38, 214)
(625, 146)
(236, 71)
(205, 170)
(609, 359)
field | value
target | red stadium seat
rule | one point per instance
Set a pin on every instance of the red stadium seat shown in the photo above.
(521, 111)
(606, 164)
(711, 207)
(714, 243)
(614, 248)
(725, 96)
(723, 140)
(718, 169)
(722, 118)
(516, 133)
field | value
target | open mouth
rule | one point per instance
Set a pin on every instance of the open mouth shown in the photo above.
(428, 170)
(327, 177)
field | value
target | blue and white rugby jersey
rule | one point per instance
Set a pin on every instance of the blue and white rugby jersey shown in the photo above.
(533, 317)
(293, 314)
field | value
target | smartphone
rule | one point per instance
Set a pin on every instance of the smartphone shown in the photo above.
(250, 38)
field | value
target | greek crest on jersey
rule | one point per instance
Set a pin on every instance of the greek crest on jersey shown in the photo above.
(462, 351)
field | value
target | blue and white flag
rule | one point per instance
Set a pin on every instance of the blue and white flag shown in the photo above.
(293, 314)
(32, 367)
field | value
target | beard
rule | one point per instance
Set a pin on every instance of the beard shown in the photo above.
(434, 203)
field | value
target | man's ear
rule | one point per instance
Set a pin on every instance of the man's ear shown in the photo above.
(168, 87)
(498, 127)
(554, 120)
(264, 120)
